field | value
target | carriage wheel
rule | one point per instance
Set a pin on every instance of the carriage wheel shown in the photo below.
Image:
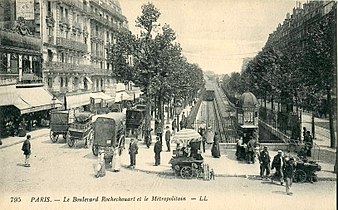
(70, 140)
(53, 136)
(186, 172)
(95, 150)
(300, 176)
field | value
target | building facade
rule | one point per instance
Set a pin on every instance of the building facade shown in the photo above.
(24, 102)
(76, 36)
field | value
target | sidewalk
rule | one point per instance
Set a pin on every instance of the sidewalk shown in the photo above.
(13, 140)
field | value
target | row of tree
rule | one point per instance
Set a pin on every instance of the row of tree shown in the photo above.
(153, 60)
(302, 74)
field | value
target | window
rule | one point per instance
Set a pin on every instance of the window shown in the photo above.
(14, 66)
(61, 82)
(36, 65)
(85, 84)
(76, 82)
(4, 63)
(49, 7)
(62, 57)
(50, 82)
(66, 81)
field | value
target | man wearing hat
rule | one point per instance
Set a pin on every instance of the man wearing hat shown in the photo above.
(133, 150)
(264, 160)
(157, 151)
(278, 163)
(288, 171)
(26, 148)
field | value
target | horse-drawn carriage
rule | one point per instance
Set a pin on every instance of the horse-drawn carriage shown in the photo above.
(59, 125)
(80, 129)
(187, 161)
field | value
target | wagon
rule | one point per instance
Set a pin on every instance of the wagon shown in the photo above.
(80, 130)
(59, 125)
(187, 161)
(306, 171)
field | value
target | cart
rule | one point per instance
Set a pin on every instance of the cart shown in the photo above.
(59, 125)
(187, 160)
(80, 129)
(306, 171)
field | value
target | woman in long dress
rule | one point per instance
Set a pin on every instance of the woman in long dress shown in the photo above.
(116, 164)
(101, 165)
(215, 147)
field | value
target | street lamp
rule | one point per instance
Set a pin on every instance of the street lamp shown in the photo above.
(178, 109)
(53, 103)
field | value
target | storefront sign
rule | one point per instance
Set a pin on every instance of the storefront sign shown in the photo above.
(25, 9)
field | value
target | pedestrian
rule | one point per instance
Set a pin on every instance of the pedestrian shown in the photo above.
(264, 161)
(278, 163)
(116, 163)
(288, 171)
(133, 151)
(308, 141)
(215, 147)
(26, 148)
(159, 131)
(157, 151)
(100, 168)
(167, 138)
(173, 125)
(251, 151)
(304, 133)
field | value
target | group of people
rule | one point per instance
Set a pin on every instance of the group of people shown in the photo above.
(284, 168)
(247, 151)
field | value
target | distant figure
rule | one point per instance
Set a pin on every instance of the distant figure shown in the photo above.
(288, 172)
(304, 133)
(308, 141)
(167, 136)
(101, 165)
(157, 151)
(133, 151)
(173, 125)
(159, 130)
(215, 147)
(251, 151)
(26, 148)
(264, 161)
(278, 164)
(116, 164)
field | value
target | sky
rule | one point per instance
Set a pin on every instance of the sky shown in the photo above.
(216, 34)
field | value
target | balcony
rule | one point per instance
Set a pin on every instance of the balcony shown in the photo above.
(58, 67)
(108, 9)
(71, 44)
(50, 39)
(13, 39)
(72, 3)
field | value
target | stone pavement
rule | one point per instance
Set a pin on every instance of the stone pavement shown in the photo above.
(225, 166)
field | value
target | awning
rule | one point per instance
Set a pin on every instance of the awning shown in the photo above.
(89, 80)
(101, 95)
(27, 100)
(123, 96)
(78, 100)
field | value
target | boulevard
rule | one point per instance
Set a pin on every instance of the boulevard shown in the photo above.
(59, 173)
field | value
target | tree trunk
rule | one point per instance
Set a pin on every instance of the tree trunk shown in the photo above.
(332, 133)
(148, 107)
(313, 125)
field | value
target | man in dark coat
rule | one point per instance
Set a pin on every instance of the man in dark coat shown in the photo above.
(288, 171)
(251, 151)
(157, 151)
(26, 148)
(133, 151)
(167, 136)
(278, 163)
(308, 141)
(215, 147)
(264, 161)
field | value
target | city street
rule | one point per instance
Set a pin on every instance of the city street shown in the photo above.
(58, 171)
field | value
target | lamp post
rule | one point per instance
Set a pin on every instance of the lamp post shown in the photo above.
(178, 109)
(53, 103)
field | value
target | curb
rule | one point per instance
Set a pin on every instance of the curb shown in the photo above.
(19, 142)
(217, 175)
